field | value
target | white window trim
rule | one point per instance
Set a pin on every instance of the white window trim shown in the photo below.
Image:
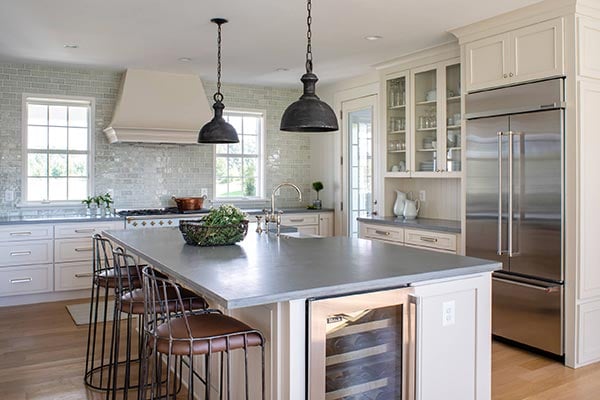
(261, 162)
(91, 154)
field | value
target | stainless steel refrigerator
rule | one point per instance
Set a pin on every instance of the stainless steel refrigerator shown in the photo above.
(514, 209)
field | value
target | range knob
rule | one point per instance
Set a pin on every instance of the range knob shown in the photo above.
(152, 223)
(144, 223)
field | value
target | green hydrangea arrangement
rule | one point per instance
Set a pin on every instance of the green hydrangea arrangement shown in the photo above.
(224, 225)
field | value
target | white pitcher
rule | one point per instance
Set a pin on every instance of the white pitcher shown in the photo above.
(399, 204)
(411, 209)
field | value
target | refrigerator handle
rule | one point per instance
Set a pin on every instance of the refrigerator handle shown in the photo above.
(499, 245)
(510, 193)
(546, 289)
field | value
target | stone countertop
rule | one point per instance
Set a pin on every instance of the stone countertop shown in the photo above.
(25, 218)
(18, 219)
(266, 269)
(430, 224)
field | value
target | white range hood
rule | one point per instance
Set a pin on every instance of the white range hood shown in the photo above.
(159, 107)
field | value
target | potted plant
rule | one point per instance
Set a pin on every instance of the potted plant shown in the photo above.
(88, 203)
(107, 200)
(317, 186)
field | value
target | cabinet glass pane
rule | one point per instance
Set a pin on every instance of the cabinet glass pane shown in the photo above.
(425, 145)
(396, 125)
(453, 134)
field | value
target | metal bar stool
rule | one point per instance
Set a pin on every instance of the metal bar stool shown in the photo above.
(130, 299)
(169, 335)
(100, 339)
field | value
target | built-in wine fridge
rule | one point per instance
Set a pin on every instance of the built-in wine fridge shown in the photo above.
(361, 347)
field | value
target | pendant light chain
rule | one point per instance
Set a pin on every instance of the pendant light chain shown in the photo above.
(309, 58)
(218, 96)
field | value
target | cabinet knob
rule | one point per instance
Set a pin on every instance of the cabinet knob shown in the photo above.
(511, 74)
(506, 75)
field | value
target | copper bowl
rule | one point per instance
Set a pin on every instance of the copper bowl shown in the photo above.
(189, 203)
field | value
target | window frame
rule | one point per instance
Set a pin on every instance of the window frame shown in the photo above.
(48, 99)
(260, 190)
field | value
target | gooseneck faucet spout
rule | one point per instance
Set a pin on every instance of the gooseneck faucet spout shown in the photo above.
(275, 216)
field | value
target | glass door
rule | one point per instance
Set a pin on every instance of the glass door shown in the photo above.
(425, 146)
(358, 132)
(396, 131)
(453, 134)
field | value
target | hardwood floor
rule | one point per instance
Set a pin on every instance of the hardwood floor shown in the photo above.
(42, 357)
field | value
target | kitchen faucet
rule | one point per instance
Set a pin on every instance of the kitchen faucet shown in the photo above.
(273, 215)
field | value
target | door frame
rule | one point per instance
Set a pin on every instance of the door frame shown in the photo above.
(371, 89)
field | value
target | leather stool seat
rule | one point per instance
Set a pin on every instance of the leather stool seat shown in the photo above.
(107, 277)
(132, 302)
(202, 327)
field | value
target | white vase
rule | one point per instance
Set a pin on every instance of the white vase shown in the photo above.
(399, 203)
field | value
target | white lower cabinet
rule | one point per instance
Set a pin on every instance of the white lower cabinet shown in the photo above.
(26, 279)
(417, 238)
(47, 258)
(453, 346)
(71, 276)
(320, 224)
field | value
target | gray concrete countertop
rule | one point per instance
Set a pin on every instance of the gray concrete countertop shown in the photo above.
(430, 224)
(55, 219)
(265, 269)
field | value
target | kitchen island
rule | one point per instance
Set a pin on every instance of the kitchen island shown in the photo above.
(266, 281)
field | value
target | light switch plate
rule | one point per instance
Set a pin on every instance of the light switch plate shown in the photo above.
(9, 195)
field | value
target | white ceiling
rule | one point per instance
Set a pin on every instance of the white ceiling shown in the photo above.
(262, 35)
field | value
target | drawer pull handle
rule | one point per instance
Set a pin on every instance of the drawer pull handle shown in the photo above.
(92, 230)
(297, 220)
(21, 280)
(82, 249)
(85, 275)
(20, 253)
(386, 233)
(24, 233)
(429, 239)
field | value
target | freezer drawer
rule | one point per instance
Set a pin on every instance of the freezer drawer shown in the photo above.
(529, 312)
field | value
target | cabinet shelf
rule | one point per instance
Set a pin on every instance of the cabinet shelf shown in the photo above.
(396, 107)
(396, 132)
(432, 149)
(454, 98)
(427, 129)
(426, 102)
(396, 151)
(453, 127)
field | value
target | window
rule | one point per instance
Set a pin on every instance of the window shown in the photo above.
(239, 166)
(56, 147)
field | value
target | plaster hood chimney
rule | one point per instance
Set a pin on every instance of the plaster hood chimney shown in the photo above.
(159, 107)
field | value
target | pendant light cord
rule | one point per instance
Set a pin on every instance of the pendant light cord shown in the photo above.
(218, 96)
(309, 58)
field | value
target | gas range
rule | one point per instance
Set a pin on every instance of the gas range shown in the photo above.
(157, 217)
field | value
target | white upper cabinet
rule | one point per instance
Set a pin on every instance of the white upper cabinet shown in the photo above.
(524, 54)
(488, 62)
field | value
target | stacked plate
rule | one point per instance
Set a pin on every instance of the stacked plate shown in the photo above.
(426, 165)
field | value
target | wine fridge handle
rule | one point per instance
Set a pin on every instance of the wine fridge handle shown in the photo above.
(413, 353)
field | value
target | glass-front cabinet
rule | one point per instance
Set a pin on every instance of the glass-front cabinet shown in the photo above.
(423, 115)
(397, 138)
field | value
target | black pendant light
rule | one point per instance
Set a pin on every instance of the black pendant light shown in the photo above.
(218, 130)
(309, 114)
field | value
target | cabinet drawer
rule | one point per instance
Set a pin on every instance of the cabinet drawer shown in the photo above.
(435, 240)
(381, 232)
(84, 230)
(25, 232)
(309, 230)
(73, 250)
(300, 219)
(25, 280)
(70, 276)
(24, 253)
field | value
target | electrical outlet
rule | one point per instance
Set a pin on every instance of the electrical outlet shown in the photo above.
(448, 313)
(422, 195)
(204, 192)
(9, 195)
